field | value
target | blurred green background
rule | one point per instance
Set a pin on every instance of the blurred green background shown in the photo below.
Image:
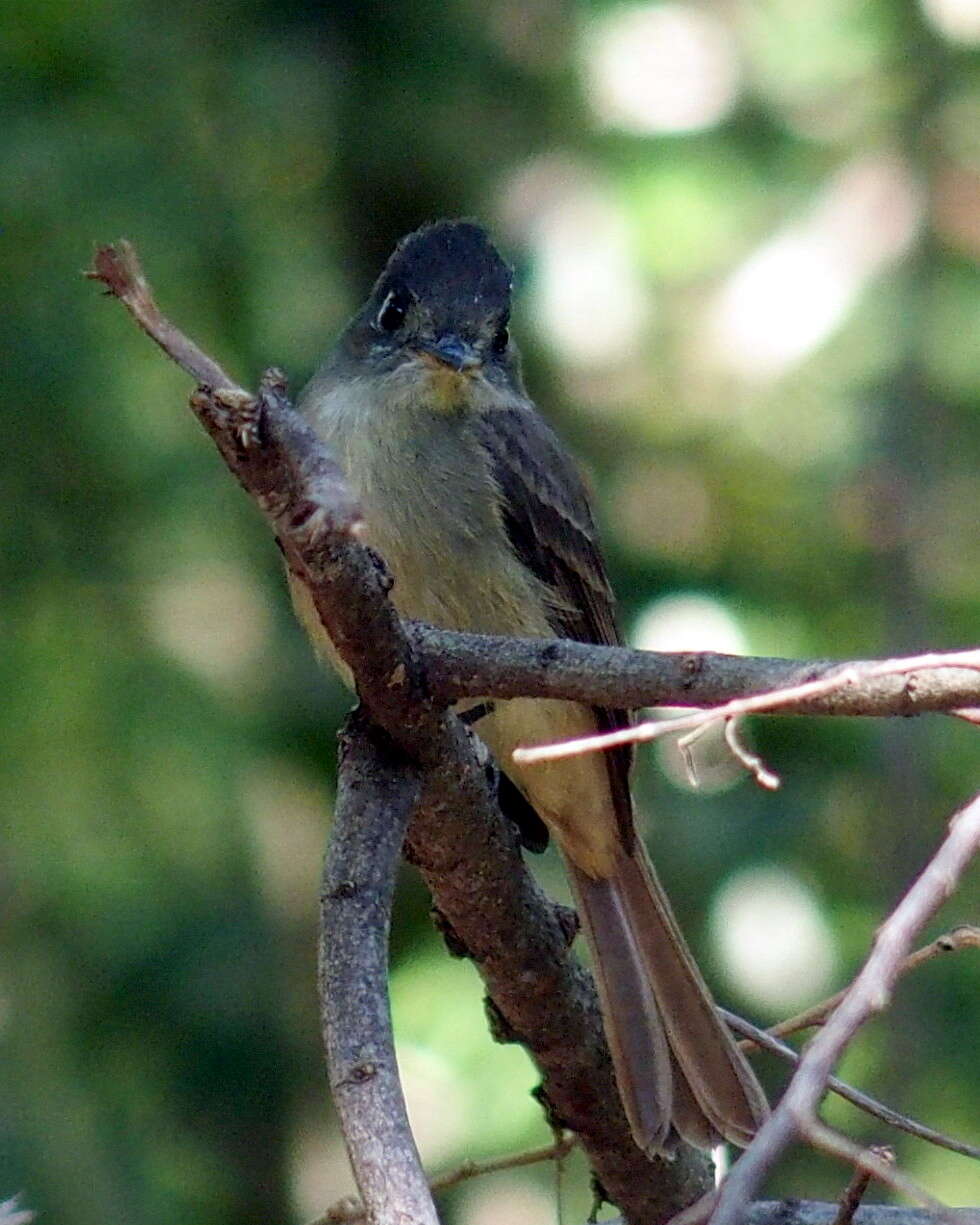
(746, 236)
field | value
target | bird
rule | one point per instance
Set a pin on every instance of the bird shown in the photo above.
(485, 524)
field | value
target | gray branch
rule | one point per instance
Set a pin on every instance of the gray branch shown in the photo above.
(490, 906)
(376, 793)
(476, 665)
(817, 1212)
(810, 1212)
(466, 851)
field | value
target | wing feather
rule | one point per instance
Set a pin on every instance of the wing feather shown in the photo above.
(546, 514)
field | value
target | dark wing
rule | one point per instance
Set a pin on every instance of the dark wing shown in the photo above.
(549, 522)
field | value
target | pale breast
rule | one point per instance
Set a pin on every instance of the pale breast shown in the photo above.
(431, 510)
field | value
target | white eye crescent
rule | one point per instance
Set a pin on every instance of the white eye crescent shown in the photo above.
(394, 310)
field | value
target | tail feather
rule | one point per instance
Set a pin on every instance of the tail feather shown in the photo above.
(653, 996)
(637, 1041)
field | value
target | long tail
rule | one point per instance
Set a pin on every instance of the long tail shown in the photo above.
(678, 1069)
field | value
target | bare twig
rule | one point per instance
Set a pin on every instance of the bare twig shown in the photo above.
(826, 1140)
(870, 992)
(753, 763)
(350, 1211)
(765, 1040)
(515, 1161)
(118, 268)
(845, 677)
(963, 937)
(376, 794)
(853, 1194)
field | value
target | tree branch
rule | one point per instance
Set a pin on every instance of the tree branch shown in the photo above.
(869, 993)
(815, 1212)
(377, 790)
(476, 665)
(839, 680)
(491, 907)
(351, 1211)
(767, 1041)
(854, 1192)
(804, 1212)
(468, 855)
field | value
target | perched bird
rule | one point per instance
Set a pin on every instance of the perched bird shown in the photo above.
(484, 522)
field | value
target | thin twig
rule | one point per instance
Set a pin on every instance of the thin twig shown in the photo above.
(686, 746)
(795, 1116)
(963, 937)
(765, 1040)
(118, 268)
(834, 1144)
(350, 1211)
(853, 1194)
(751, 761)
(849, 675)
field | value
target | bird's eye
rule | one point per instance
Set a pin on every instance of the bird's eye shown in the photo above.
(393, 310)
(501, 339)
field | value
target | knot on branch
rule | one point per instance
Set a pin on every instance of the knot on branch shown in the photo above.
(500, 1028)
(568, 922)
(454, 943)
(555, 1120)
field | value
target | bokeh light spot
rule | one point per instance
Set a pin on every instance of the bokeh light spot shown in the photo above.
(772, 939)
(957, 20)
(660, 68)
(692, 622)
(796, 289)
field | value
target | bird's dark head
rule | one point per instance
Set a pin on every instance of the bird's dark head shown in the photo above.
(441, 303)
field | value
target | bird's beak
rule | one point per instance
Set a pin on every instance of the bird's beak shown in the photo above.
(453, 352)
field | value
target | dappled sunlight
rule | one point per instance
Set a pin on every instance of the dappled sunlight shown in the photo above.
(688, 621)
(957, 20)
(772, 939)
(660, 68)
(693, 622)
(214, 619)
(583, 241)
(507, 1198)
(796, 289)
(577, 235)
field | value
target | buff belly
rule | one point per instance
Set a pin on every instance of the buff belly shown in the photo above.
(571, 796)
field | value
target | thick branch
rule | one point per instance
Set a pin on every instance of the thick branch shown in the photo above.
(474, 665)
(819, 1212)
(809, 1212)
(467, 853)
(376, 793)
